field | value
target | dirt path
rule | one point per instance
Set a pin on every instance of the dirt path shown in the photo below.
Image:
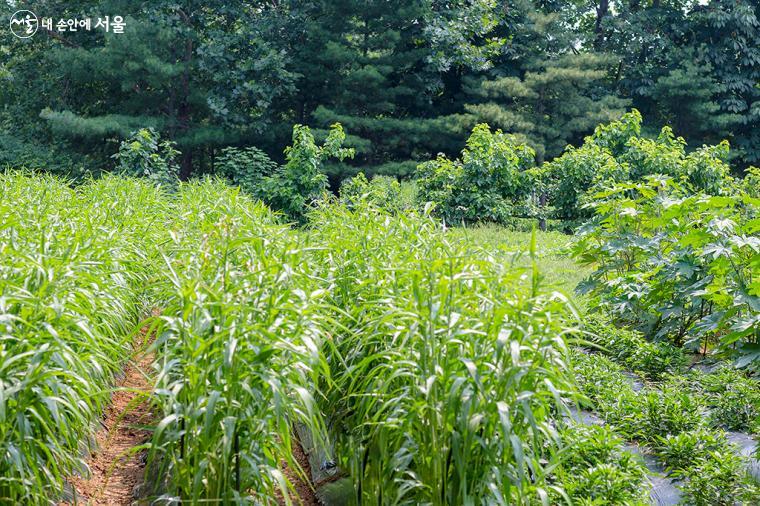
(116, 471)
(304, 495)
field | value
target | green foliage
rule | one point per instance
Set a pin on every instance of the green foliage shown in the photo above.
(558, 271)
(718, 480)
(614, 136)
(402, 171)
(725, 34)
(571, 175)
(298, 184)
(600, 380)
(646, 415)
(652, 414)
(245, 167)
(486, 184)
(688, 99)
(202, 74)
(617, 152)
(379, 323)
(711, 471)
(427, 335)
(628, 347)
(75, 266)
(407, 79)
(236, 351)
(383, 191)
(596, 471)
(690, 65)
(608, 484)
(294, 187)
(542, 105)
(733, 398)
(144, 154)
(460, 33)
(16, 153)
(677, 265)
(684, 450)
(751, 182)
(670, 420)
(376, 67)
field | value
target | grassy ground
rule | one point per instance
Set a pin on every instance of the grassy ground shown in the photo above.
(559, 271)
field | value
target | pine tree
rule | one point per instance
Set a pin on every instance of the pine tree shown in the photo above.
(687, 99)
(553, 96)
(376, 66)
(200, 72)
(364, 64)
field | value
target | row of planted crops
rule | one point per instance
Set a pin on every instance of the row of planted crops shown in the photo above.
(431, 371)
(434, 373)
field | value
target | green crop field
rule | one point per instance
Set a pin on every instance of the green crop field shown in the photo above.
(380, 253)
(432, 365)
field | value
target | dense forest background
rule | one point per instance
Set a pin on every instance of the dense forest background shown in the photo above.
(407, 79)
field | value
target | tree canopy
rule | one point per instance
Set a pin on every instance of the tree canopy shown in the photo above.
(407, 79)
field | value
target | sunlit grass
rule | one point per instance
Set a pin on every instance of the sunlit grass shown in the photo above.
(558, 270)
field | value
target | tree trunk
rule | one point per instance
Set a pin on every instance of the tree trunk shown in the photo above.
(542, 197)
(601, 11)
(542, 204)
(186, 165)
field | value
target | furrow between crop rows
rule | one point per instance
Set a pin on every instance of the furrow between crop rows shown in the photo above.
(675, 419)
(117, 464)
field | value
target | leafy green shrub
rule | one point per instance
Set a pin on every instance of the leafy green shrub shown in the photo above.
(704, 169)
(595, 469)
(653, 414)
(618, 153)
(245, 167)
(589, 444)
(573, 174)
(614, 137)
(18, 153)
(709, 466)
(677, 265)
(298, 184)
(686, 449)
(733, 398)
(652, 359)
(608, 484)
(600, 379)
(670, 421)
(750, 184)
(720, 479)
(486, 184)
(144, 154)
(383, 191)
(662, 155)
(711, 470)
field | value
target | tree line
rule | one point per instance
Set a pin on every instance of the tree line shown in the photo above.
(407, 79)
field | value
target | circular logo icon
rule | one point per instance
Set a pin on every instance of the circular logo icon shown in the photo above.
(24, 24)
